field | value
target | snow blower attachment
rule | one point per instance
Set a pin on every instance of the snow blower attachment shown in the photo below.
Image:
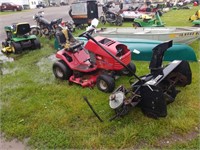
(154, 91)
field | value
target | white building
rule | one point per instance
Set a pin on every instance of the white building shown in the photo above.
(32, 3)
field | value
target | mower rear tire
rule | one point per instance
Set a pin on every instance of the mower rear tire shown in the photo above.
(132, 67)
(16, 47)
(105, 83)
(135, 24)
(61, 70)
(36, 44)
(196, 25)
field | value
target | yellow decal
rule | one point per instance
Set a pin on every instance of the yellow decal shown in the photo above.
(172, 35)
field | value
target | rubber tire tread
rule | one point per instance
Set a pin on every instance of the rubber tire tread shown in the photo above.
(109, 81)
(67, 72)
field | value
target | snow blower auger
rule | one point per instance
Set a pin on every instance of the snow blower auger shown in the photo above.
(154, 91)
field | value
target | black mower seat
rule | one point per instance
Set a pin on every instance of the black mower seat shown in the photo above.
(63, 39)
(22, 29)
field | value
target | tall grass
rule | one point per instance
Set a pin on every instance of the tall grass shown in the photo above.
(53, 115)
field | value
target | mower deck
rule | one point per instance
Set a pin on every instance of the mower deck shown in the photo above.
(86, 80)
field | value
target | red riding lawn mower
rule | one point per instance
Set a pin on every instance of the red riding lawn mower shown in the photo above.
(95, 63)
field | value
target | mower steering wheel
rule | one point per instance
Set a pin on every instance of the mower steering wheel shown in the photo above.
(84, 34)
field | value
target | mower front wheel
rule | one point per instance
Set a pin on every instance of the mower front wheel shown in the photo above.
(61, 70)
(132, 67)
(4, 44)
(105, 83)
(16, 47)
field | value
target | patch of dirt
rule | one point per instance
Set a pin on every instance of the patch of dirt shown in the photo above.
(172, 139)
(11, 145)
(4, 58)
(178, 138)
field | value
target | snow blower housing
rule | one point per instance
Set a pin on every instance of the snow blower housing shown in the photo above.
(154, 91)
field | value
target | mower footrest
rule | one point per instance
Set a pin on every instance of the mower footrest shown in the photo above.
(85, 67)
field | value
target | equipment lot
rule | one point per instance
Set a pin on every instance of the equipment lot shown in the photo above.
(53, 116)
(50, 13)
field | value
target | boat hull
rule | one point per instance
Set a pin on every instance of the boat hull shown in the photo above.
(176, 52)
(178, 34)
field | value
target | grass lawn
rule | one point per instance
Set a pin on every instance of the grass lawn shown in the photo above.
(52, 114)
(11, 12)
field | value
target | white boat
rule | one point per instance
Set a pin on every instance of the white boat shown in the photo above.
(177, 34)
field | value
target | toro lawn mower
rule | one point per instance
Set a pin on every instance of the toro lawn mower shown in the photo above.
(19, 39)
(94, 63)
(154, 91)
(148, 21)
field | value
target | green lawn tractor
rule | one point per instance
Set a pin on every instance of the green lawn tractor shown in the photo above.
(19, 39)
(148, 21)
